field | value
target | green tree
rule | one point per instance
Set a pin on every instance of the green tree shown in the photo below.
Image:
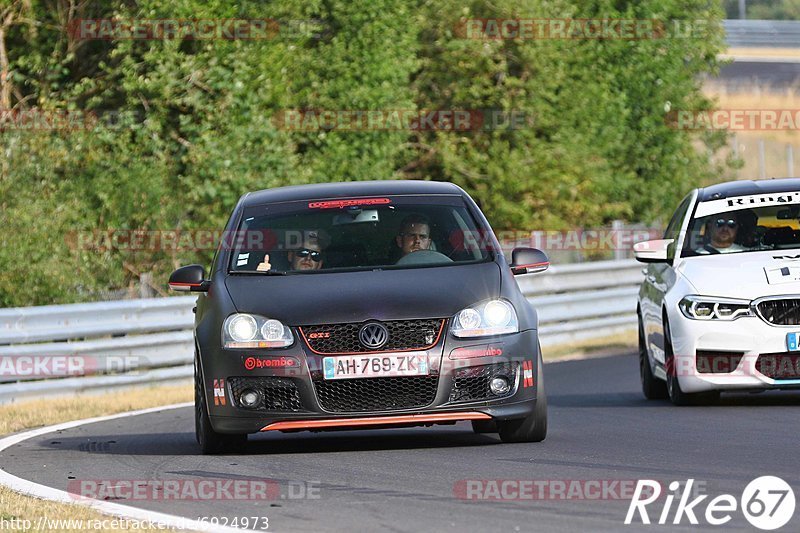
(364, 62)
(184, 127)
(599, 145)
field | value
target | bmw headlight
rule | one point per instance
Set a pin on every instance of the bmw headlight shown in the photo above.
(709, 308)
(495, 317)
(242, 330)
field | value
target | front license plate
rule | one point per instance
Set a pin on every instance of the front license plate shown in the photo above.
(373, 366)
(791, 341)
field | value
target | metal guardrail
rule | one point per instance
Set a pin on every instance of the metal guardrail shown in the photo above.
(584, 301)
(150, 340)
(762, 33)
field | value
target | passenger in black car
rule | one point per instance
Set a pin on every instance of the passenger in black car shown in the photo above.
(309, 257)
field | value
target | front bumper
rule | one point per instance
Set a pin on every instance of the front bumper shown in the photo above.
(749, 336)
(452, 394)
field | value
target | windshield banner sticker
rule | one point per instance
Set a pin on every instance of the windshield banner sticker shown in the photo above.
(742, 202)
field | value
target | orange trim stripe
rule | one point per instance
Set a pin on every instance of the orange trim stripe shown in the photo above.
(530, 265)
(375, 421)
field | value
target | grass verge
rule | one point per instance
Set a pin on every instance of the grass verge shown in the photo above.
(747, 142)
(756, 52)
(620, 343)
(25, 513)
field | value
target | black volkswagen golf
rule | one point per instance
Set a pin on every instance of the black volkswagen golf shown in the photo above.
(363, 305)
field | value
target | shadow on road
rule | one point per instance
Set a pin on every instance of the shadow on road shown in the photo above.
(274, 443)
(600, 400)
(765, 399)
(636, 400)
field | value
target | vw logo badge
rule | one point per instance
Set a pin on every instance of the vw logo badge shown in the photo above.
(373, 335)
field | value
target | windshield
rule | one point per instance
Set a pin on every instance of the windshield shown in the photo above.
(317, 236)
(727, 226)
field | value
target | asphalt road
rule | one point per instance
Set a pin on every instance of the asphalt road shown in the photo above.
(743, 74)
(411, 479)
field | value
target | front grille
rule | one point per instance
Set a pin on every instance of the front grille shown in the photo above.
(343, 338)
(376, 394)
(717, 362)
(780, 312)
(278, 394)
(472, 383)
(779, 365)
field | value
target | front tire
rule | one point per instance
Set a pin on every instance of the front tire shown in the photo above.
(652, 387)
(674, 391)
(209, 440)
(532, 428)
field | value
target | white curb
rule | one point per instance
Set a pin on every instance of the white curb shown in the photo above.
(115, 509)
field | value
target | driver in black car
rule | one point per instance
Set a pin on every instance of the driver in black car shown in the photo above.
(414, 235)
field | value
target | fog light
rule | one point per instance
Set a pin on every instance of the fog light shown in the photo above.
(500, 386)
(250, 398)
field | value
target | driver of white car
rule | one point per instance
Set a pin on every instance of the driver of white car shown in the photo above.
(720, 235)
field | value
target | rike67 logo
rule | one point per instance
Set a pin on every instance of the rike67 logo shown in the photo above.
(767, 503)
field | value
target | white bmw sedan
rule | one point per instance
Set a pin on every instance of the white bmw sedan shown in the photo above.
(719, 308)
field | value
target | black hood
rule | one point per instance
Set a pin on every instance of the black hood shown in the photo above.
(330, 298)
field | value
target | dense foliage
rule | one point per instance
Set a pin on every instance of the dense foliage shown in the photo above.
(178, 129)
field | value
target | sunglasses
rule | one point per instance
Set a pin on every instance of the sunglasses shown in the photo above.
(315, 255)
(721, 222)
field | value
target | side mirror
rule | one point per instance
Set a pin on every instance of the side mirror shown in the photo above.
(528, 261)
(652, 251)
(189, 278)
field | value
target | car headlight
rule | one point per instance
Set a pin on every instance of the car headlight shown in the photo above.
(242, 330)
(495, 317)
(709, 308)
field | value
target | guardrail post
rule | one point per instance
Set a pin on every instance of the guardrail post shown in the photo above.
(616, 227)
(146, 285)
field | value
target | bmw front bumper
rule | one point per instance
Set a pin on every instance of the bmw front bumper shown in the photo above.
(759, 353)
